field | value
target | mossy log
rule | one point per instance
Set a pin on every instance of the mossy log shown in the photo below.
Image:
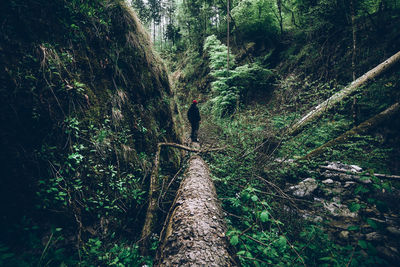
(360, 129)
(339, 96)
(194, 234)
(151, 217)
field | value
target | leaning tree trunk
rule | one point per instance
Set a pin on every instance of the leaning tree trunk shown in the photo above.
(360, 129)
(339, 96)
(194, 233)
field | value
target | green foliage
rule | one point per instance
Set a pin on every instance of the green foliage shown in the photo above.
(256, 19)
(120, 254)
(231, 88)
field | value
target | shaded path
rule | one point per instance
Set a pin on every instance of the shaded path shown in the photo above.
(195, 233)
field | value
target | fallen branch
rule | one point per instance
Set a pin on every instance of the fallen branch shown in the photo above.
(151, 217)
(360, 129)
(379, 175)
(190, 148)
(347, 91)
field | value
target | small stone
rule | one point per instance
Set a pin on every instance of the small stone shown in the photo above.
(349, 183)
(344, 235)
(356, 168)
(370, 211)
(327, 181)
(388, 252)
(393, 230)
(304, 188)
(377, 220)
(374, 236)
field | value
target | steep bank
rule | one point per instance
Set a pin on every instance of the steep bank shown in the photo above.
(84, 102)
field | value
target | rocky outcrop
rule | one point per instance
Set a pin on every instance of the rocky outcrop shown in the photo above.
(353, 206)
(195, 229)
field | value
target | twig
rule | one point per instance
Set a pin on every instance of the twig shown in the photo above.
(351, 258)
(45, 248)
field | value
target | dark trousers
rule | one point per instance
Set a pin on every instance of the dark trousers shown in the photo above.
(195, 129)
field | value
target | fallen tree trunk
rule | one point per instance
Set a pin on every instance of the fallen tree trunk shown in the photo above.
(151, 218)
(194, 232)
(360, 129)
(379, 175)
(336, 98)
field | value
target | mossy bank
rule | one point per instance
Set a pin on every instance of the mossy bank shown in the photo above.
(84, 101)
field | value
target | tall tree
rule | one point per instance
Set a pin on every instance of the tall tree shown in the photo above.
(142, 10)
(155, 15)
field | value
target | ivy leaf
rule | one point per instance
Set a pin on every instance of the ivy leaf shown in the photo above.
(372, 223)
(264, 216)
(234, 240)
(353, 228)
(354, 207)
(362, 244)
(254, 198)
(282, 243)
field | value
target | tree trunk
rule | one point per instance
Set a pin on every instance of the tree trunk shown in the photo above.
(151, 213)
(354, 31)
(195, 228)
(360, 129)
(279, 4)
(227, 36)
(151, 217)
(336, 98)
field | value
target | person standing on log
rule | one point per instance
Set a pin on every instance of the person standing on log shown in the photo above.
(193, 115)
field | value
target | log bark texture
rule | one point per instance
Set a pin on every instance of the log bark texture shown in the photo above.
(151, 217)
(194, 234)
(347, 91)
(360, 129)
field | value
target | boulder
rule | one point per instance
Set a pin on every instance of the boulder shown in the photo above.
(338, 210)
(304, 188)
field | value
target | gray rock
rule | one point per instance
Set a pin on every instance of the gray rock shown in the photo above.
(356, 168)
(393, 230)
(339, 210)
(349, 183)
(374, 236)
(327, 181)
(304, 188)
(344, 235)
